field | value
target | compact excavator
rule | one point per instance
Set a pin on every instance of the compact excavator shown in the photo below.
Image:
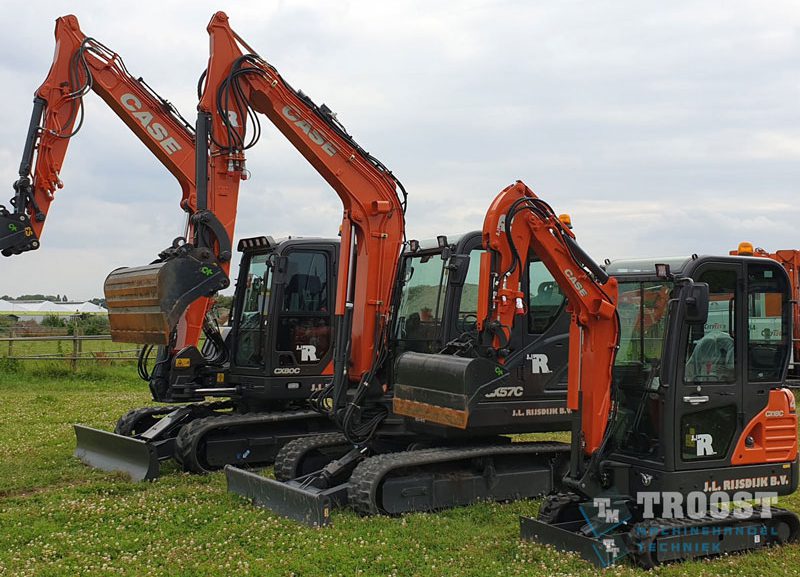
(82, 64)
(174, 290)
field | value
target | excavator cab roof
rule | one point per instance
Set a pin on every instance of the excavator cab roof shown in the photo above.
(646, 266)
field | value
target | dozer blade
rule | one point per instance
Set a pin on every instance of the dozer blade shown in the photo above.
(145, 303)
(305, 504)
(441, 388)
(117, 453)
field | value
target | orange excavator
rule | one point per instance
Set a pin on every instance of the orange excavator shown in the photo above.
(82, 64)
(144, 303)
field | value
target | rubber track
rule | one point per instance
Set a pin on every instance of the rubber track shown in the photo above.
(369, 474)
(289, 457)
(641, 542)
(191, 434)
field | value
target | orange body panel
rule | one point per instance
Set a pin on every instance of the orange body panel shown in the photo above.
(773, 432)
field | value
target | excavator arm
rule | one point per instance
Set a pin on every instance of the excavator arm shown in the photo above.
(240, 84)
(516, 222)
(142, 301)
(81, 64)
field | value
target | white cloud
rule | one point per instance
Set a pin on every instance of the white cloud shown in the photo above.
(664, 129)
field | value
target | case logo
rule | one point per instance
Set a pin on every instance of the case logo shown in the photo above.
(145, 118)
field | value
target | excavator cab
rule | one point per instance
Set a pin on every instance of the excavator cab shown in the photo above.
(701, 415)
(281, 341)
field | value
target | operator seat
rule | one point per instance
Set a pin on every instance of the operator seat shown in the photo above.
(712, 358)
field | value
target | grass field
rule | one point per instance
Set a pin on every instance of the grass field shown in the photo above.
(58, 517)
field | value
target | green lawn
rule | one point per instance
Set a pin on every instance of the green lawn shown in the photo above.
(58, 517)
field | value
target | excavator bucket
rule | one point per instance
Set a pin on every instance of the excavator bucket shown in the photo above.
(145, 303)
(111, 452)
(441, 388)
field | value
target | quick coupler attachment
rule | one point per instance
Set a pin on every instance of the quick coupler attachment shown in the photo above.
(16, 233)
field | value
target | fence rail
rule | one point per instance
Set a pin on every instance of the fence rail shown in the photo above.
(28, 349)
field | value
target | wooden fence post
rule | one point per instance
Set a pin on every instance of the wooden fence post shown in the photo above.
(76, 346)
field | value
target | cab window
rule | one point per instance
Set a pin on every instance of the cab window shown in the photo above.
(468, 305)
(545, 298)
(304, 324)
(422, 303)
(767, 313)
(711, 348)
(253, 312)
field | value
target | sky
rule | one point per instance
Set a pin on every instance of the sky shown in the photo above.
(663, 128)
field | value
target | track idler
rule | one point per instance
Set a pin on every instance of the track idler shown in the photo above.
(145, 303)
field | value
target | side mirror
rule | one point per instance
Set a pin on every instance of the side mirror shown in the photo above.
(696, 303)
(458, 265)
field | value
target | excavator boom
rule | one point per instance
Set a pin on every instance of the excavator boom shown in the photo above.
(143, 306)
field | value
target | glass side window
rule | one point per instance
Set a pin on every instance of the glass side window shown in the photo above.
(422, 303)
(767, 311)
(642, 312)
(304, 326)
(643, 309)
(253, 312)
(545, 299)
(711, 348)
(468, 306)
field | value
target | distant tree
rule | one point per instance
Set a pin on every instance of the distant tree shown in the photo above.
(64, 298)
(37, 297)
(99, 302)
(53, 321)
(58, 298)
(90, 325)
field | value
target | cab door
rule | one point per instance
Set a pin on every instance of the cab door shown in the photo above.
(711, 373)
(302, 341)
